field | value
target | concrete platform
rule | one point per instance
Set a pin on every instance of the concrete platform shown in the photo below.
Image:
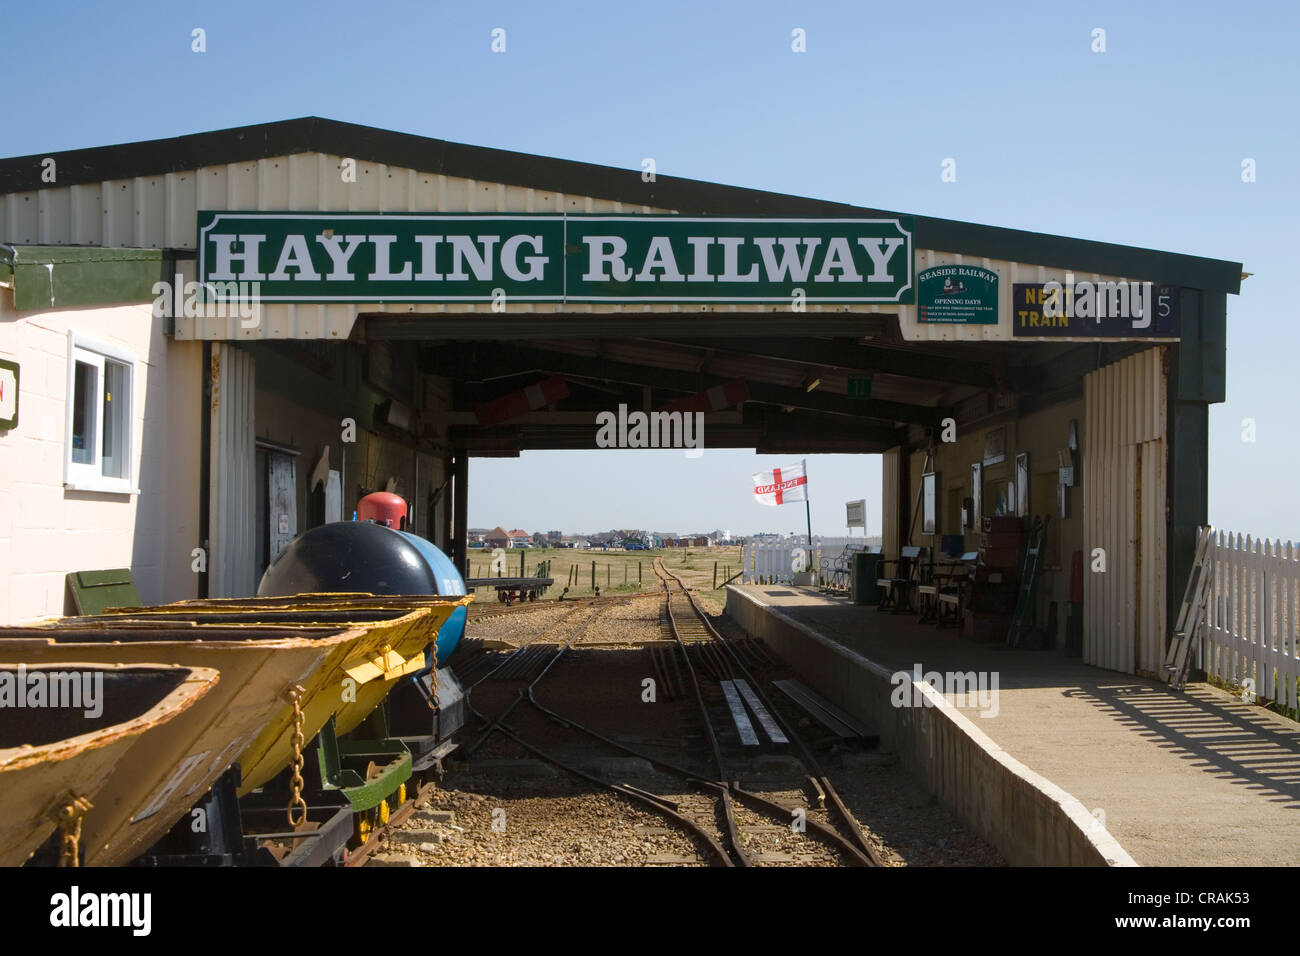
(1177, 778)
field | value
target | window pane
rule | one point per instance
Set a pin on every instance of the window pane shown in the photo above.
(85, 397)
(117, 429)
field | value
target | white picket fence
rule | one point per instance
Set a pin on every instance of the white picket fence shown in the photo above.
(773, 562)
(1252, 622)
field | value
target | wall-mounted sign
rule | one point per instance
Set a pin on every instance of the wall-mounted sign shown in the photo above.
(8, 394)
(856, 512)
(859, 386)
(929, 503)
(1108, 310)
(399, 257)
(995, 446)
(957, 295)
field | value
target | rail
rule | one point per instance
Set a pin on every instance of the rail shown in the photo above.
(857, 848)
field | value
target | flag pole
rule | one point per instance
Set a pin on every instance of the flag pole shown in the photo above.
(807, 510)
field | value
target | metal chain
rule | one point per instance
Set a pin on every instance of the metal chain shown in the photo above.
(69, 816)
(295, 780)
(433, 676)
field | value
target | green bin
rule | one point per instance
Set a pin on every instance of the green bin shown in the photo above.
(864, 571)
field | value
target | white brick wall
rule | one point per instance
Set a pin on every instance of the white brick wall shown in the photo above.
(47, 531)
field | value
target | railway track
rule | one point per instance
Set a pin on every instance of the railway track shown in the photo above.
(732, 677)
(521, 610)
(693, 661)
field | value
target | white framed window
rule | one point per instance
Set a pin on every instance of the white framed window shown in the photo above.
(100, 414)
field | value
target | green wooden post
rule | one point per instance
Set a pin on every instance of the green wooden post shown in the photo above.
(608, 572)
(638, 572)
(593, 575)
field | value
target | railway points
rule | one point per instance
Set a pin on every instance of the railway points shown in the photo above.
(565, 732)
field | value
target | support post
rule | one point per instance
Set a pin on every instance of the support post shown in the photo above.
(460, 512)
(446, 536)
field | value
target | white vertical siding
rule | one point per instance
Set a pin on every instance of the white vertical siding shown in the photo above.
(232, 507)
(1124, 482)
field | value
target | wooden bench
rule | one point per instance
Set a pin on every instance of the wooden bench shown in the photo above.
(908, 575)
(951, 594)
(944, 580)
(835, 572)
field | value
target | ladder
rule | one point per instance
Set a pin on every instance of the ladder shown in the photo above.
(1023, 620)
(1192, 614)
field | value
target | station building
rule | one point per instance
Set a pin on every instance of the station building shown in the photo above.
(419, 303)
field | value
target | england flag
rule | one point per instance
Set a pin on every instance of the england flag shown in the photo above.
(782, 485)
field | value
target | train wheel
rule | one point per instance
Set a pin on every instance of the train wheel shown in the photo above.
(382, 812)
(401, 794)
(364, 827)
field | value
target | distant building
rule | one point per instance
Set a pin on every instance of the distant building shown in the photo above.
(497, 538)
(541, 539)
(520, 539)
(555, 537)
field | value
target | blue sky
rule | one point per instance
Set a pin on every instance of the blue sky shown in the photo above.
(1140, 145)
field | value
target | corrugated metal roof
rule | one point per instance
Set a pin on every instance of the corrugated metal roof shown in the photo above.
(251, 144)
(160, 212)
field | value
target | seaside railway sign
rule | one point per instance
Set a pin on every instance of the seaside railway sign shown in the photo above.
(398, 257)
(957, 295)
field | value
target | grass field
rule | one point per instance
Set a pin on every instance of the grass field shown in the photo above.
(617, 572)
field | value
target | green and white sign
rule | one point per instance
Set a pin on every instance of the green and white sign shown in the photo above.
(957, 295)
(400, 257)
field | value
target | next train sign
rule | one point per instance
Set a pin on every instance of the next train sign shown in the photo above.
(398, 257)
(1102, 310)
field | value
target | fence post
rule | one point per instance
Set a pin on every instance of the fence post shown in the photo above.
(715, 575)
(1264, 637)
(593, 575)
